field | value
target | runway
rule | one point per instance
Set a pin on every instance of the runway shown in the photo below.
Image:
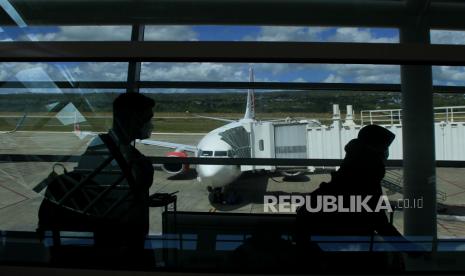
(19, 204)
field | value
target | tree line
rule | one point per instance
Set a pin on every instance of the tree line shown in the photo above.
(265, 102)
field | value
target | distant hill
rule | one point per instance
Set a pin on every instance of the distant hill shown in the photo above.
(266, 102)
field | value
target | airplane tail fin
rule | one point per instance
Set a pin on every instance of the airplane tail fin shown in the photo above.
(250, 109)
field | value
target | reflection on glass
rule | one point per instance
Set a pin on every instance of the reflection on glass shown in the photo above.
(70, 72)
(40, 119)
(67, 33)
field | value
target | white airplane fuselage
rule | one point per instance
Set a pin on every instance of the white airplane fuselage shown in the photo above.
(211, 145)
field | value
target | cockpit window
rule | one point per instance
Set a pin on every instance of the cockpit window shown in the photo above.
(206, 153)
(221, 153)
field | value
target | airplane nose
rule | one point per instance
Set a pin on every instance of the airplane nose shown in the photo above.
(214, 175)
(208, 171)
(217, 175)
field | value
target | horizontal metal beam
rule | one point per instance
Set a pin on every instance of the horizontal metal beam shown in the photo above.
(213, 12)
(368, 13)
(446, 14)
(216, 161)
(64, 84)
(258, 52)
(301, 86)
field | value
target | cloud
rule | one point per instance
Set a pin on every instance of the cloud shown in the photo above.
(109, 33)
(270, 33)
(81, 33)
(3, 74)
(449, 75)
(96, 71)
(447, 37)
(173, 33)
(205, 71)
(274, 70)
(10, 70)
(349, 72)
(89, 71)
(348, 34)
(366, 73)
(300, 79)
(29, 73)
(4, 36)
(322, 34)
(333, 79)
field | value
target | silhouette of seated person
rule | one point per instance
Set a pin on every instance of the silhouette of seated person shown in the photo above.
(360, 174)
(120, 218)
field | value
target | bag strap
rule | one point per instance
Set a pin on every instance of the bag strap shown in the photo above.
(116, 153)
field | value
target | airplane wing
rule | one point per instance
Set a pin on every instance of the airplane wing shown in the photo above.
(83, 134)
(18, 124)
(163, 144)
(215, 118)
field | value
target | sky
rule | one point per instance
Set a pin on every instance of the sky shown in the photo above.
(323, 73)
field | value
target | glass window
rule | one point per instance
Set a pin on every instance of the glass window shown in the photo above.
(221, 153)
(206, 153)
(47, 110)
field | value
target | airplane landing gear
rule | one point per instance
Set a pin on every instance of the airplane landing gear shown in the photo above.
(216, 194)
(220, 196)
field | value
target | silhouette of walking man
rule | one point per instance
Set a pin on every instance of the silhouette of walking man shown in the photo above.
(132, 114)
(112, 194)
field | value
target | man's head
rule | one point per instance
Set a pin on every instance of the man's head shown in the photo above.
(364, 162)
(132, 114)
(376, 138)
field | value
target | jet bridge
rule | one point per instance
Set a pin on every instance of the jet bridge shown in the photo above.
(310, 139)
(327, 142)
(283, 139)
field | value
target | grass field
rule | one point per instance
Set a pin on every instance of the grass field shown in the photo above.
(163, 122)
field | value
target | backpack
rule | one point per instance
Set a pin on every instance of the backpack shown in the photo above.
(73, 200)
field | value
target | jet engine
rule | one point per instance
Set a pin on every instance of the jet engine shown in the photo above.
(175, 168)
(291, 173)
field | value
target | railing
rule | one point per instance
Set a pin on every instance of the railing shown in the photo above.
(448, 114)
(393, 180)
(382, 117)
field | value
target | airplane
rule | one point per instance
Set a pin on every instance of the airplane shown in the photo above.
(230, 140)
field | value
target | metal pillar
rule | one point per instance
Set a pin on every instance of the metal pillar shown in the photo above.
(418, 134)
(134, 68)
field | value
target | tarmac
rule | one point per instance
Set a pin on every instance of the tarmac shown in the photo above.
(19, 203)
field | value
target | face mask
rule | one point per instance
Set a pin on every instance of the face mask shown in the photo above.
(386, 154)
(146, 130)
